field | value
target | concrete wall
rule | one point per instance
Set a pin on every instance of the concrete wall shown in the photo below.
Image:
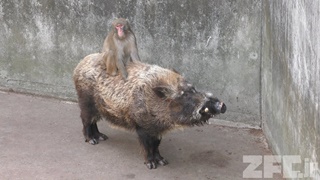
(291, 79)
(215, 44)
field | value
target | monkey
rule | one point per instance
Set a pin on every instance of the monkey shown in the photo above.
(119, 48)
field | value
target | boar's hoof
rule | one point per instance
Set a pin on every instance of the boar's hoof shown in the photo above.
(93, 141)
(163, 162)
(151, 165)
(96, 138)
(101, 137)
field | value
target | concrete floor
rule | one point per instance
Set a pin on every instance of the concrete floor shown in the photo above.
(42, 139)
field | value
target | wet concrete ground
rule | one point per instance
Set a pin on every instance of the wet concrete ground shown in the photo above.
(42, 139)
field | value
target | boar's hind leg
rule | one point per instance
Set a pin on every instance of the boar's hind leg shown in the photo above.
(151, 148)
(89, 115)
(92, 134)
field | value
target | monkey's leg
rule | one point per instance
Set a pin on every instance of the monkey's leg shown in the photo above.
(122, 68)
(158, 158)
(96, 134)
(111, 68)
(148, 142)
(110, 62)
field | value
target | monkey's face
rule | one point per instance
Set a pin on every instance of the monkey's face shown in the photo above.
(120, 31)
(121, 28)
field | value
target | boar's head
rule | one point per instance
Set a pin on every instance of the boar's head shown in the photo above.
(187, 106)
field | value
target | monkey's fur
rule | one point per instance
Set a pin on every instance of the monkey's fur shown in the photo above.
(152, 101)
(119, 48)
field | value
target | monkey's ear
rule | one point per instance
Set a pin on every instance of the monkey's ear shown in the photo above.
(162, 92)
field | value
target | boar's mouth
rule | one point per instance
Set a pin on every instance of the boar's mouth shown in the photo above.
(211, 108)
(206, 110)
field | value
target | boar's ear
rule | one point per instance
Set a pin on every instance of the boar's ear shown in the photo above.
(162, 92)
(174, 70)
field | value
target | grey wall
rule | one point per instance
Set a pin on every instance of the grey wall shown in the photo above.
(215, 44)
(291, 78)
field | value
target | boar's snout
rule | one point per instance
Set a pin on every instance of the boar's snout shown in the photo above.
(212, 107)
(223, 108)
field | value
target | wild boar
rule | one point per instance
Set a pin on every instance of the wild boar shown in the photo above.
(151, 101)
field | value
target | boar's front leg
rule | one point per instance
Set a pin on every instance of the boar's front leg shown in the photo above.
(151, 144)
(156, 154)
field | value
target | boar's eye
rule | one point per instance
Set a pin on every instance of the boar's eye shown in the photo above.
(192, 90)
(182, 92)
